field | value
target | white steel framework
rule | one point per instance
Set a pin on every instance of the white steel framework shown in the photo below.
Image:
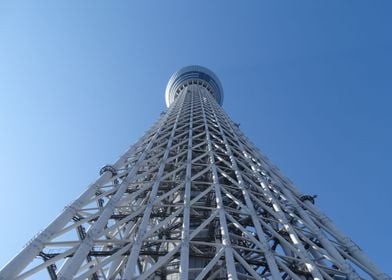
(192, 199)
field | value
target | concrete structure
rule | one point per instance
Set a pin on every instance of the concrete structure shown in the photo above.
(192, 199)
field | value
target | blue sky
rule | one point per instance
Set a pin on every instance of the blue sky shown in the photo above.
(309, 82)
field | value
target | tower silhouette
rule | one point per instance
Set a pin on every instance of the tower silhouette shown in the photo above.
(192, 199)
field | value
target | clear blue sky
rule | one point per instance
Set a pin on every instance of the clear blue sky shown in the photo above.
(309, 81)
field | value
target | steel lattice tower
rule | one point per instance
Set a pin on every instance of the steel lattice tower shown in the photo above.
(192, 199)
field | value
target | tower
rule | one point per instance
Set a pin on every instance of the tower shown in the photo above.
(192, 199)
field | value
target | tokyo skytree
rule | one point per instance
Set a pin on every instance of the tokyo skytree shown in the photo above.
(192, 199)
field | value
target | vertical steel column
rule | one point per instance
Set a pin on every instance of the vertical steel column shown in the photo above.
(137, 243)
(250, 208)
(184, 261)
(230, 266)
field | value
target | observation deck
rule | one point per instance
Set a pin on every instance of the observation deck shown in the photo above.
(193, 75)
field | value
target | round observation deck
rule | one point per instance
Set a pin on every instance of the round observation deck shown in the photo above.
(193, 75)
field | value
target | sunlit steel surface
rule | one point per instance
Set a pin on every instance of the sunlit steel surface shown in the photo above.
(192, 199)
